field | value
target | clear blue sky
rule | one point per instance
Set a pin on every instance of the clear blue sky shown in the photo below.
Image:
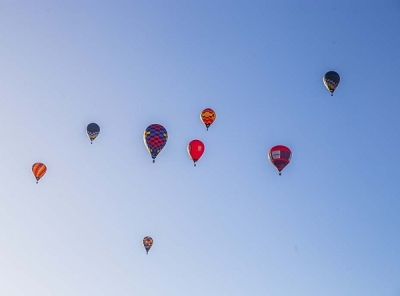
(329, 225)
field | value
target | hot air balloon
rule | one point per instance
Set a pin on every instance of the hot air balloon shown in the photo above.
(208, 116)
(92, 130)
(147, 243)
(155, 137)
(195, 149)
(280, 157)
(38, 170)
(331, 80)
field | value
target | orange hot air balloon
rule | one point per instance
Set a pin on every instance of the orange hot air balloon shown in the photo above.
(195, 150)
(38, 170)
(208, 116)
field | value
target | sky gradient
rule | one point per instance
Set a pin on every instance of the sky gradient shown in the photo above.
(230, 226)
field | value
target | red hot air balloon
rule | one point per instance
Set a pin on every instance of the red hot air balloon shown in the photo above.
(280, 157)
(195, 150)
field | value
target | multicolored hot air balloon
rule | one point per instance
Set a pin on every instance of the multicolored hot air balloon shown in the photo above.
(92, 130)
(38, 170)
(280, 157)
(155, 137)
(195, 149)
(331, 80)
(208, 116)
(147, 243)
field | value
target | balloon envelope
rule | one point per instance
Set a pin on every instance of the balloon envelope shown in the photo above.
(92, 130)
(155, 137)
(208, 116)
(280, 157)
(331, 81)
(195, 150)
(38, 170)
(147, 243)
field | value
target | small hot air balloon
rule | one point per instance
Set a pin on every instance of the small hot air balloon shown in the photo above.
(208, 116)
(155, 137)
(280, 157)
(147, 243)
(38, 170)
(92, 130)
(195, 149)
(331, 80)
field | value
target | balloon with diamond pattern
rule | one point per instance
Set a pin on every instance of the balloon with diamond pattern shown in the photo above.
(155, 137)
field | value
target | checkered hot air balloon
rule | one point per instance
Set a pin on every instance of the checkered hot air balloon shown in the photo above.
(38, 170)
(155, 137)
(280, 157)
(331, 81)
(208, 116)
(92, 130)
(147, 243)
